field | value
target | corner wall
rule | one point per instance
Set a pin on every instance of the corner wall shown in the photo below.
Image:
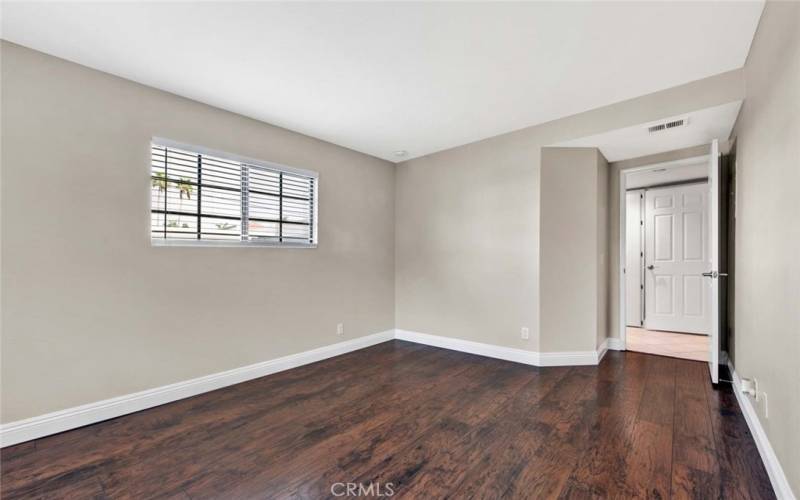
(467, 221)
(572, 252)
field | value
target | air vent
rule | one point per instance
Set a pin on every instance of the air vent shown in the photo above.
(681, 122)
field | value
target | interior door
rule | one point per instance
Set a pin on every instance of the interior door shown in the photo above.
(712, 274)
(634, 256)
(676, 256)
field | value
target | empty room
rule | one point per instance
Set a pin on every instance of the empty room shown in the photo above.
(399, 249)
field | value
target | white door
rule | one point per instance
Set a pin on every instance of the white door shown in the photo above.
(711, 275)
(634, 257)
(676, 256)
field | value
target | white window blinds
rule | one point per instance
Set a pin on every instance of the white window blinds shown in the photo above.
(201, 197)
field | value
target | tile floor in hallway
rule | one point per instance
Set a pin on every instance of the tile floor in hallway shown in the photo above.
(675, 345)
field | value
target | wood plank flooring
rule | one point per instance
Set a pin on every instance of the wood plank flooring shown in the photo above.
(428, 423)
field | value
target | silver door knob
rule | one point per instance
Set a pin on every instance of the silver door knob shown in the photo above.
(711, 274)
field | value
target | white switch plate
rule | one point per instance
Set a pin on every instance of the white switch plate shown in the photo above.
(525, 333)
(340, 329)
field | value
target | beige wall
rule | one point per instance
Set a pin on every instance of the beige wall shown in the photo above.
(467, 226)
(767, 295)
(572, 249)
(92, 315)
(90, 310)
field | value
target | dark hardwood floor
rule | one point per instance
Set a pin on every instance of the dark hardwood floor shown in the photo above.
(433, 423)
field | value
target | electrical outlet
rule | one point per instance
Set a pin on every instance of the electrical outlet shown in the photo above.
(766, 404)
(525, 333)
(340, 329)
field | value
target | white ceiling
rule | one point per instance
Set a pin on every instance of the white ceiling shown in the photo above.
(703, 126)
(380, 77)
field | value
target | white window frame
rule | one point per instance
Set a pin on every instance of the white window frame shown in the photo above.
(169, 143)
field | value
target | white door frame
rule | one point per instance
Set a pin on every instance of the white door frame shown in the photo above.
(640, 192)
(621, 258)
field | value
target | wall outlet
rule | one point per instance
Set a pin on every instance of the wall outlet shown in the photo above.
(766, 405)
(750, 387)
(524, 333)
(340, 329)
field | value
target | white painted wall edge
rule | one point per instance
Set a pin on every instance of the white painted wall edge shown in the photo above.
(776, 475)
(79, 416)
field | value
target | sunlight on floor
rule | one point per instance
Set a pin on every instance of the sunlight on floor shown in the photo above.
(676, 345)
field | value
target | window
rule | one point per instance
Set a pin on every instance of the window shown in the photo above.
(203, 197)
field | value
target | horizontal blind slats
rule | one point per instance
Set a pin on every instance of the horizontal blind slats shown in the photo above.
(199, 196)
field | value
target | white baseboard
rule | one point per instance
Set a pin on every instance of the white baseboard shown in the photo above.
(534, 358)
(776, 475)
(602, 349)
(79, 416)
(615, 344)
(52, 423)
(71, 418)
(468, 346)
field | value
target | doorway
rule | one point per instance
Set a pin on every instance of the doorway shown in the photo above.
(667, 248)
(669, 144)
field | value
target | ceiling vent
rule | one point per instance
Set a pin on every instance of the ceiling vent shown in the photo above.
(680, 122)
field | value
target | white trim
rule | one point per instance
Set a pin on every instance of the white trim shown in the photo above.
(780, 484)
(226, 243)
(601, 350)
(71, 418)
(79, 416)
(534, 358)
(622, 308)
(468, 346)
(615, 344)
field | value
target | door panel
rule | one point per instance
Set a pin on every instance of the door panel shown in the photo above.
(663, 296)
(676, 246)
(693, 291)
(693, 236)
(663, 201)
(664, 238)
